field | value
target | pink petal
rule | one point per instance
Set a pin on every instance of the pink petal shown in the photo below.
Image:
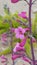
(22, 14)
(26, 29)
(17, 35)
(23, 31)
(3, 57)
(21, 36)
(17, 45)
(14, 1)
(4, 39)
(15, 56)
(27, 59)
(4, 35)
(23, 42)
(20, 28)
(16, 30)
(19, 48)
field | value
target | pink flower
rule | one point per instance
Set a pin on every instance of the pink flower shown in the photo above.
(4, 35)
(15, 56)
(19, 32)
(26, 59)
(23, 15)
(27, 29)
(23, 42)
(14, 1)
(3, 59)
(4, 38)
(18, 48)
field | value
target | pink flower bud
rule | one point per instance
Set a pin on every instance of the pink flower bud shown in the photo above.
(14, 1)
(3, 57)
(27, 59)
(23, 15)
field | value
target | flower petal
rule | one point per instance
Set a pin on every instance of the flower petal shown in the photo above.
(23, 42)
(21, 36)
(17, 35)
(14, 1)
(17, 45)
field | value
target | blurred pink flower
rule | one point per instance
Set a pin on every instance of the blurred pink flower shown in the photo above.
(23, 15)
(15, 56)
(4, 38)
(26, 59)
(18, 48)
(19, 32)
(23, 42)
(3, 59)
(14, 1)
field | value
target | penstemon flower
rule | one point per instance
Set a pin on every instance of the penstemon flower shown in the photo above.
(23, 42)
(19, 32)
(23, 15)
(26, 59)
(18, 48)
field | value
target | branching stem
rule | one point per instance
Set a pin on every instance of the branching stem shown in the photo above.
(34, 1)
(26, 2)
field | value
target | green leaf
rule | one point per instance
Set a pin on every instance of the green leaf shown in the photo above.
(34, 26)
(6, 51)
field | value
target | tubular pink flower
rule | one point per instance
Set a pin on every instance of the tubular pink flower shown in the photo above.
(26, 59)
(23, 42)
(18, 48)
(14, 1)
(23, 15)
(27, 29)
(3, 59)
(15, 57)
(19, 32)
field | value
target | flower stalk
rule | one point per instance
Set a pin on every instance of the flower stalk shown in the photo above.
(32, 51)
